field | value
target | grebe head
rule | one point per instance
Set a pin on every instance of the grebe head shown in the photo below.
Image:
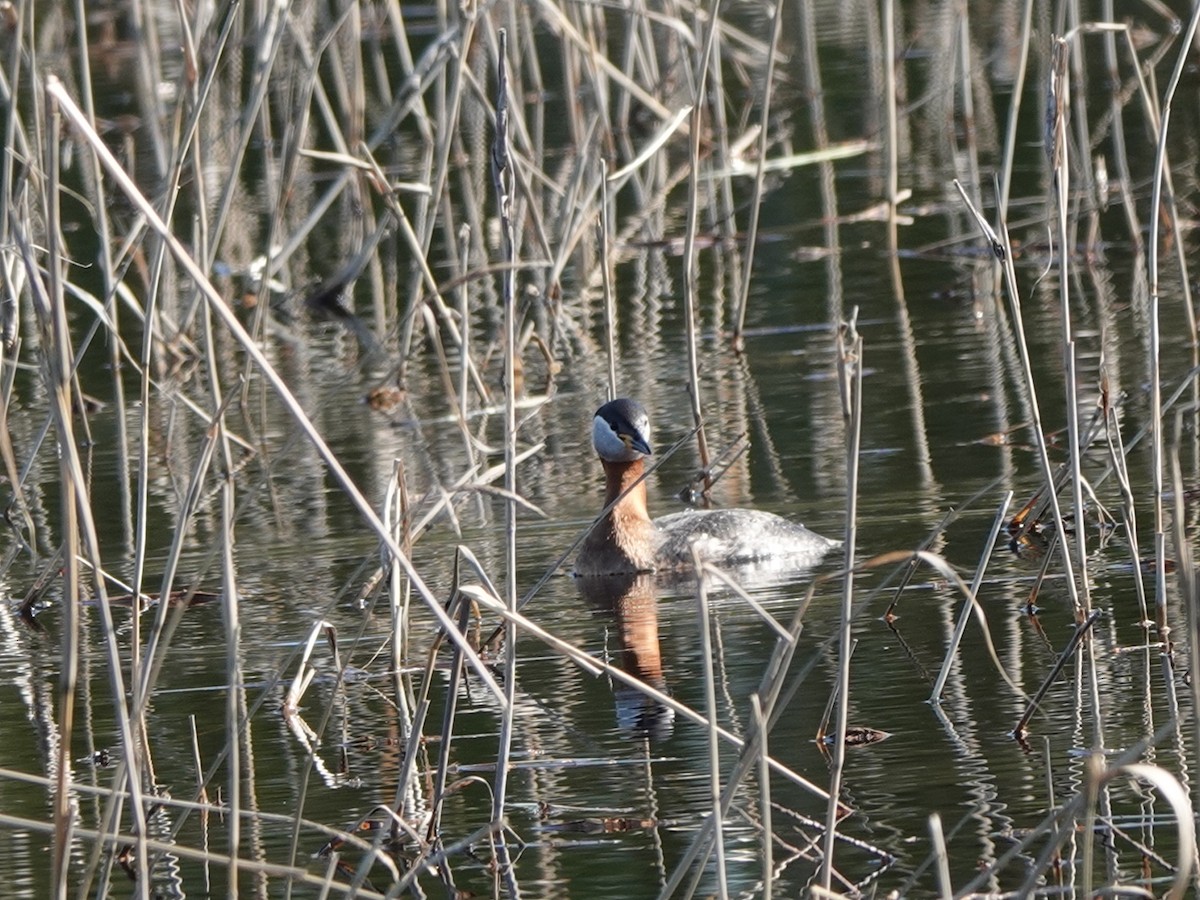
(621, 431)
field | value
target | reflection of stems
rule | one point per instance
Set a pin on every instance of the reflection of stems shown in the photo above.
(764, 128)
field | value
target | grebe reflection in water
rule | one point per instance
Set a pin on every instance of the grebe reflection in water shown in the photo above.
(628, 541)
(631, 603)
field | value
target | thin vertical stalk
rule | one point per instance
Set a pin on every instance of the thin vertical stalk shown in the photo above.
(230, 614)
(893, 144)
(610, 310)
(710, 712)
(1014, 109)
(764, 796)
(1061, 173)
(850, 368)
(56, 350)
(967, 97)
(764, 130)
(690, 286)
(504, 179)
(1156, 430)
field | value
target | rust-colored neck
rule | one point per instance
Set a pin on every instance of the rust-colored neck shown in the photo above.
(618, 477)
(624, 541)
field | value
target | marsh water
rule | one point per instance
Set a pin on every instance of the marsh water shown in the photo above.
(609, 789)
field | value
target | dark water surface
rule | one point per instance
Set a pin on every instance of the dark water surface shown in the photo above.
(608, 789)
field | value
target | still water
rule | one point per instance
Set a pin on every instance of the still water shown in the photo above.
(609, 789)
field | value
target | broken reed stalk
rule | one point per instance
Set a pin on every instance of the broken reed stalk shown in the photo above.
(850, 372)
(1020, 729)
(964, 617)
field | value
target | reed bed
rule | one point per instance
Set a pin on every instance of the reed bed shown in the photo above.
(226, 219)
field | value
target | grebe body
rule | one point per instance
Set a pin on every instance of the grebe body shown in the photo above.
(628, 541)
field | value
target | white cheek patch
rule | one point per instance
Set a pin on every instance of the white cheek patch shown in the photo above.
(608, 445)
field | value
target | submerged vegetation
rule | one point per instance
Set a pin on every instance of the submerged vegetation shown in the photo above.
(307, 305)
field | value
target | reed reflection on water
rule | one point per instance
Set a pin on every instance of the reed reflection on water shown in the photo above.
(334, 722)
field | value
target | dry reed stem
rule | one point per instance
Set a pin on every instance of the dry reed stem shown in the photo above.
(716, 810)
(505, 178)
(850, 370)
(767, 829)
(773, 688)
(1001, 248)
(538, 193)
(610, 310)
(55, 343)
(1156, 409)
(1061, 173)
(690, 285)
(1076, 637)
(115, 171)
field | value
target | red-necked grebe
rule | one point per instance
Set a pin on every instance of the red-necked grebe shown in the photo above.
(627, 541)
